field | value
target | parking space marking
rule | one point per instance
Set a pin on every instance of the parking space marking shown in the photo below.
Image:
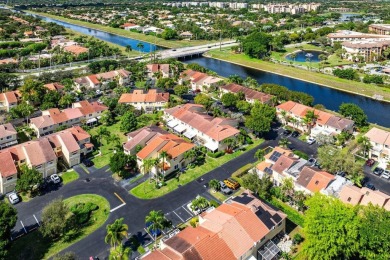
(36, 219)
(112, 210)
(187, 210)
(178, 216)
(119, 198)
(23, 227)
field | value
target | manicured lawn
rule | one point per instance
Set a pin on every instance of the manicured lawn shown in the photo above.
(315, 77)
(108, 147)
(133, 35)
(69, 176)
(147, 189)
(222, 197)
(34, 246)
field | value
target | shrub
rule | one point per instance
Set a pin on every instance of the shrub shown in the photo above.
(242, 171)
(214, 204)
(194, 221)
(215, 155)
(297, 239)
(301, 155)
(82, 211)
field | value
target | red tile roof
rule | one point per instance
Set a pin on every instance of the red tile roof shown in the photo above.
(7, 166)
(138, 96)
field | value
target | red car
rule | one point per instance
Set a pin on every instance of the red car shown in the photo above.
(370, 162)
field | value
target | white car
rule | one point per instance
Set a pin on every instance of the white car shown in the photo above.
(311, 140)
(55, 178)
(386, 174)
(13, 198)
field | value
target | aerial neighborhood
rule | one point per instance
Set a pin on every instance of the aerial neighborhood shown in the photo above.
(194, 130)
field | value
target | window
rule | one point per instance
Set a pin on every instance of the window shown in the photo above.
(9, 178)
(349, 199)
(9, 137)
(38, 166)
(317, 182)
(176, 166)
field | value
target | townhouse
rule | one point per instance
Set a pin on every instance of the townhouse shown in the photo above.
(43, 154)
(241, 228)
(198, 80)
(351, 36)
(191, 121)
(8, 135)
(55, 86)
(149, 102)
(312, 180)
(139, 138)
(380, 144)
(52, 119)
(250, 95)
(363, 196)
(153, 69)
(370, 50)
(382, 29)
(76, 49)
(292, 114)
(9, 100)
(96, 81)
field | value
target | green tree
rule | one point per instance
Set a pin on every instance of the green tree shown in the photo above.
(128, 122)
(50, 100)
(180, 90)
(331, 228)
(169, 34)
(119, 161)
(66, 100)
(259, 154)
(199, 203)
(203, 100)
(32, 90)
(54, 217)
(107, 118)
(243, 106)
(65, 256)
(120, 253)
(229, 99)
(257, 44)
(29, 178)
(260, 118)
(156, 221)
(8, 217)
(310, 119)
(365, 144)
(214, 184)
(262, 186)
(287, 187)
(102, 132)
(116, 232)
(23, 110)
(190, 154)
(284, 142)
(354, 112)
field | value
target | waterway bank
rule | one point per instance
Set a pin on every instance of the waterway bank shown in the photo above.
(129, 34)
(329, 81)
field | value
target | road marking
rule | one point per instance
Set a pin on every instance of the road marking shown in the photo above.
(186, 210)
(36, 219)
(119, 198)
(112, 210)
(23, 227)
(178, 216)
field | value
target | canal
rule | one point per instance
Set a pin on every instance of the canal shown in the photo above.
(378, 112)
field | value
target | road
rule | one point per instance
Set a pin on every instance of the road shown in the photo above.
(100, 182)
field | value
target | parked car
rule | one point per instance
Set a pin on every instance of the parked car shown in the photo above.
(370, 162)
(88, 162)
(370, 186)
(224, 189)
(312, 161)
(378, 171)
(341, 173)
(286, 132)
(55, 178)
(311, 140)
(386, 174)
(295, 134)
(364, 181)
(13, 198)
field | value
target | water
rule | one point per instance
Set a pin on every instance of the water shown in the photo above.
(346, 17)
(301, 56)
(378, 112)
(109, 37)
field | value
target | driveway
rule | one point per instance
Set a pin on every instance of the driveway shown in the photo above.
(379, 183)
(99, 182)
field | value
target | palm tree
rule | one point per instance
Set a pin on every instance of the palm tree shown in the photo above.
(163, 155)
(214, 184)
(116, 232)
(140, 47)
(259, 154)
(310, 119)
(365, 144)
(128, 49)
(284, 142)
(190, 154)
(102, 132)
(121, 253)
(199, 203)
(283, 113)
(157, 221)
(230, 142)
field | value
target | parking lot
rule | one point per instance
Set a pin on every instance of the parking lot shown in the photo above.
(180, 215)
(26, 225)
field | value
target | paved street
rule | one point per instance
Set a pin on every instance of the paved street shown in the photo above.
(134, 212)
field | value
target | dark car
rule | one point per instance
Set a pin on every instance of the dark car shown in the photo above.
(370, 186)
(286, 132)
(295, 134)
(370, 162)
(341, 173)
(378, 171)
(88, 162)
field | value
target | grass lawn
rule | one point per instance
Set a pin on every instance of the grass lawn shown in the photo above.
(107, 148)
(34, 246)
(69, 176)
(222, 197)
(310, 76)
(133, 35)
(147, 189)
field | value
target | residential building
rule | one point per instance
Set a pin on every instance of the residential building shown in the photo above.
(370, 50)
(76, 49)
(8, 135)
(352, 36)
(130, 26)
(96, 81)
(174, 146)
(9, 100)
(363, 196)
(43, 154)
(56, 86)
(198, 80)
(240, 228)
(380, 144)
(54, 118)
(149, 102)
(293, 114)
(153, 69)
(312, 180)
(382, 29)
(274, 8)
(192, 121)
(140, 137)
(186, 35)
(250, 95)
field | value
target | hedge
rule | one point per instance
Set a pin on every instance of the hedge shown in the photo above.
(292, 213)
(215, 155)
(301, 154)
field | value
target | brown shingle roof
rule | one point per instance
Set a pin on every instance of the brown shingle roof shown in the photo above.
(7, 130)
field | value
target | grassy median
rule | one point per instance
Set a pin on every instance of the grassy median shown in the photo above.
(35, 246)
(147, 190)
(129, 34)
(309, 76)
